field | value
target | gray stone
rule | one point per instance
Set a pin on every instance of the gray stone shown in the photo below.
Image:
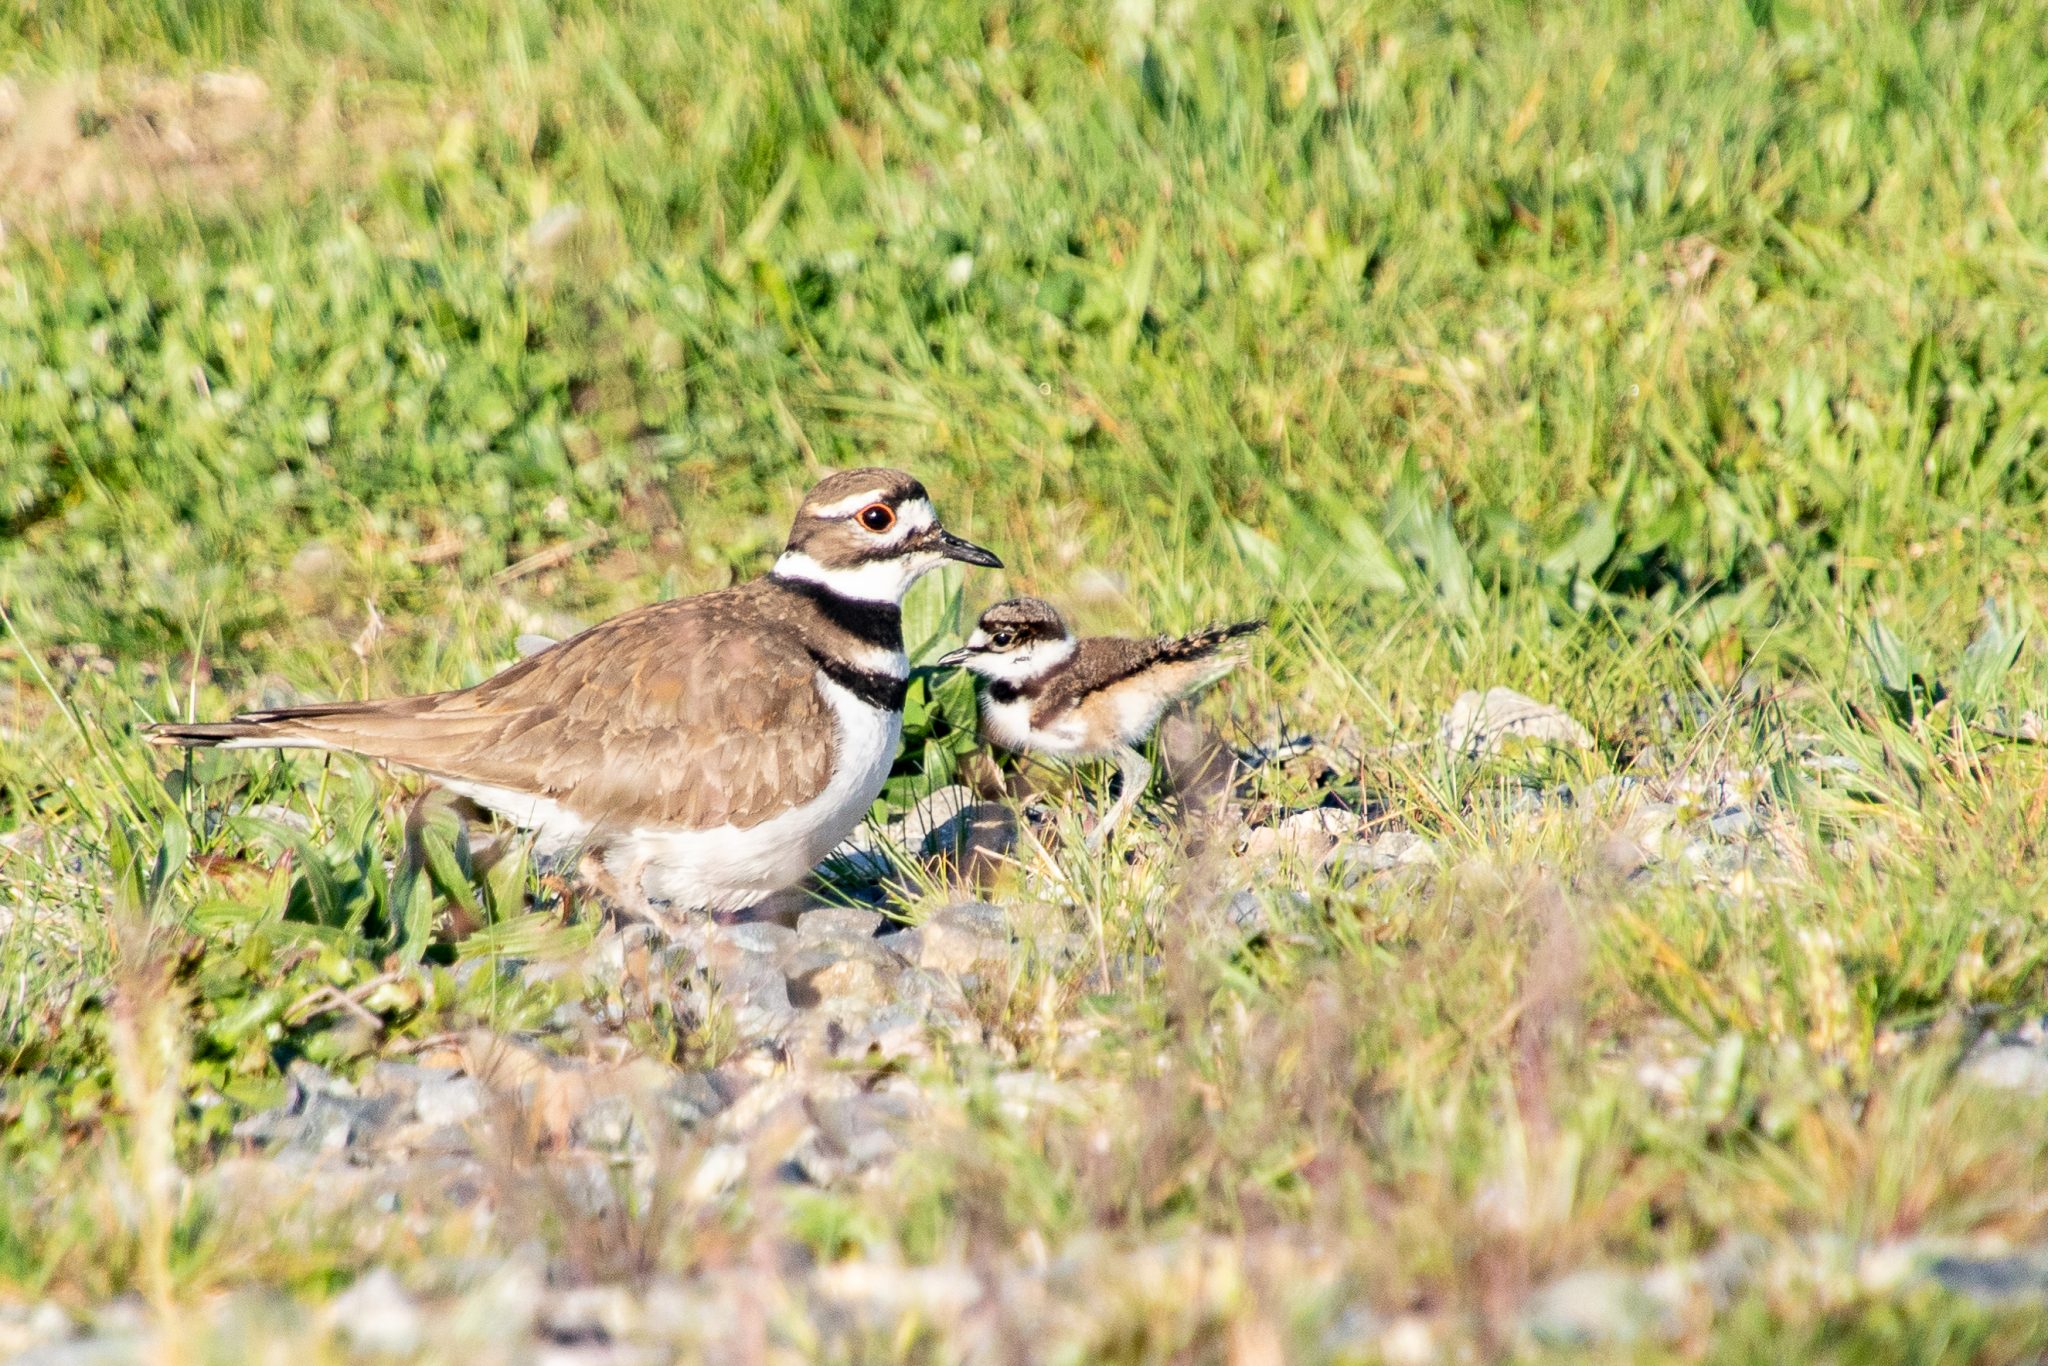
(1733, 823)
(447, 1099)
(959, 938)
(834, 921)
(894, 1032)
(1252, 913)
(2020, 1277)
(609, 1123)
(842, 972)
(850, 1135)
(378, 1316)
(758, 936)
(937, 998)
(588, 1316)
(1595, 1307)
(1353, 863)
(1247, 912)
(757, 995)
(26, 1326)
(2010, 1067)
(1487, 723)
(321, 1115)
(697, 1098)
(1354, 1334)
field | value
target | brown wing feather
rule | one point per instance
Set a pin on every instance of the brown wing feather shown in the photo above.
(683, 714)
(1100, 662)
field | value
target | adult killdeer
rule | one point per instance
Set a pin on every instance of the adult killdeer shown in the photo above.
(1099, 697)
(707, 751)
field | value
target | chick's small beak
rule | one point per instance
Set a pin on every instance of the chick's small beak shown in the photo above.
(967, 552)
(956, 658)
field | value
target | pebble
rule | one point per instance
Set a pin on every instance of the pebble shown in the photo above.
(376, 1315)
(608, 1123)
(757, 936)
(828, 922)
(1353, 863)
(447, 1099)
(1480, 724)
(753, 991)
(1995, 1279)
(2010, 1067)
(842, 973)
(960, 938)
(1596, 1307)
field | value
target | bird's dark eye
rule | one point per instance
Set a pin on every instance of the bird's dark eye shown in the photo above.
(1001, 640)
(878, 517)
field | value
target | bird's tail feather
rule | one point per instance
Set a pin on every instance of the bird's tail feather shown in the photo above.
(376, 729)
(1209, 640)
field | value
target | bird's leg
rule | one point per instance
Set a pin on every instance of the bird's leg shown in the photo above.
(1136, 772)
(623, 893)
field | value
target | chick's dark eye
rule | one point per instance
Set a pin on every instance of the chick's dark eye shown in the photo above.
(1001, 640)
(877, 517)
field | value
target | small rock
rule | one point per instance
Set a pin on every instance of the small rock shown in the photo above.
(718, 1171)
(1732, 823)
(757, 936)
(696, 1098)
(842, 972)
(1595, 1307)
(1409, 1341)
(1383, 853)
(1252, 913)
(244, 87)
(959, 938)
(447, 1099)
(888, 1291)
(1486, 723)
(829, 921)
(2010, 1067)
(378, 1316)
(608, 1123)
(2002, 1278)
(26, 1326)
(891, 1034)
(1247, 912)
(587, 1316)
(753, 990)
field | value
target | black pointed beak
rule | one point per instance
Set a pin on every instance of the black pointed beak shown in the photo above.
(954, 659)
(967, 552)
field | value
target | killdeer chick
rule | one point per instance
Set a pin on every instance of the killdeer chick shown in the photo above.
(706, 751)
(1099, 697)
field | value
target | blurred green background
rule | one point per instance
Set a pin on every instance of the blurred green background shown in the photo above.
(1719, 317)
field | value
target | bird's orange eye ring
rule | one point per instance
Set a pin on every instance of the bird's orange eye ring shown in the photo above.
(1001, 640)
(877, 517)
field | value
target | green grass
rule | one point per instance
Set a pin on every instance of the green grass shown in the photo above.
(1617, 354)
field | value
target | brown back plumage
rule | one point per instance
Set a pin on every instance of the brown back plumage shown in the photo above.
(689, 714)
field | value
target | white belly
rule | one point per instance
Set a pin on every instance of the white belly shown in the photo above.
(1009, 725)
(727, 869)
